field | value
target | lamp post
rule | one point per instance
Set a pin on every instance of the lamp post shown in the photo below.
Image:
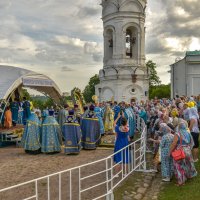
(99, 94)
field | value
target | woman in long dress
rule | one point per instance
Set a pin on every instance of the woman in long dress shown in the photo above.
(183, 168)
(166, 159)
(122, 140)
(194, 129)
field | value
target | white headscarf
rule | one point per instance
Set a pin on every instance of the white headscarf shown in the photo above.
(164, 128)
(193, 114)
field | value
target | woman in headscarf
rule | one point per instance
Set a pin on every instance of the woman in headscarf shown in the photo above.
(175, 114)
(186, 111)
(122, 140)
(183, 168)
(166, 159)
(194, 129)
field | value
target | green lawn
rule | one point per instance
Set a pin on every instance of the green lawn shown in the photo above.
(190, 191)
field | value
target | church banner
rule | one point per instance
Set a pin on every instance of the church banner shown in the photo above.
(37, 82)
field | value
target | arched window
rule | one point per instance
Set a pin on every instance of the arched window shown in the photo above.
(131, 40)
(108, 44)
(128, 44)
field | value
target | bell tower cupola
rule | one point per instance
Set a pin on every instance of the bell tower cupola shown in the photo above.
(124, 74)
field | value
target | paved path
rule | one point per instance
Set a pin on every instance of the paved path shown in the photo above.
(140, 187)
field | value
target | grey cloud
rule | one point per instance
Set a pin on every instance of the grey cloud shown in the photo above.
(5, 4)
(81, 19)
(155, 45)
(66, 69)
(169, 22)
(88, 11)
(95, 50)
(97, 57)
(22, 49)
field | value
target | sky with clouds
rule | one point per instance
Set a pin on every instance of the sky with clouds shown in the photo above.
(64, 38)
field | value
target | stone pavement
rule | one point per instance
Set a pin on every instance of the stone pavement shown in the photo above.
(145, 187)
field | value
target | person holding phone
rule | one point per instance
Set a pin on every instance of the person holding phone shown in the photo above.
(122, 140)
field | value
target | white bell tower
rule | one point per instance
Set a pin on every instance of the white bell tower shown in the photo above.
(124, 75)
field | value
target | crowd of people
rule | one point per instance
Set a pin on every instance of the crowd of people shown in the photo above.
(74, 130)
(16, 112)
(173, 127)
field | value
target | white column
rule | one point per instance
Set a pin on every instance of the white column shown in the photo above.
(142, 46)
(138, 48)
(119, 40)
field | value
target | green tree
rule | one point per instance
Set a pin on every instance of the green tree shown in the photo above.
(65, 99)
(37, 103)
(153, 76)
(26, 94)
(160, 91)
(89, 90)
(49, 103)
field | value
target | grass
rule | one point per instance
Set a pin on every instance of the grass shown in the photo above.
(190, 191)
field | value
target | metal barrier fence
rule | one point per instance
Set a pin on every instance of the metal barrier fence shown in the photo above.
(95, 180)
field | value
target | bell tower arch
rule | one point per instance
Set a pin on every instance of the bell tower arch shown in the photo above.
(124, 49)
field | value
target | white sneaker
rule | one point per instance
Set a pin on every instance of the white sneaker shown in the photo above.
(166, 179)
(196, 160)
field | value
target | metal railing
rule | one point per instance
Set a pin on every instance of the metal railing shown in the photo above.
(95, 180)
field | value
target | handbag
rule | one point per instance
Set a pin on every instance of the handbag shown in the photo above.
(179, 154)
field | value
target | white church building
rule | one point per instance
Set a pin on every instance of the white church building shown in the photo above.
(124, 76)
(185, 75)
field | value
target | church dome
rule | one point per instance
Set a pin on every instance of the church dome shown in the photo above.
(109, 8)
(131, 6)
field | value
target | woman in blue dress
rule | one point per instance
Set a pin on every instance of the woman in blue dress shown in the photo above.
(122, 140)
(167, 167)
